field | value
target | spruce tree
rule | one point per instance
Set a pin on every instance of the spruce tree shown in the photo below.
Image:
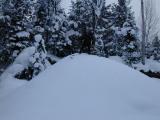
(19, 35)
(38, 62)
(76, 20)
(51, 17)
(126, 32)
(156, 48)
(105, 31)
(97, 19)
(4, 42)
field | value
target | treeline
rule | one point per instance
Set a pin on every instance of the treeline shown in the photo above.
(91, 26)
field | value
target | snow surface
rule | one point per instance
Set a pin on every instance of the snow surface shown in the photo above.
(7, 81)
(117, 59)
(83, 87)
(38, 37)
(23, 34)
(151, 65)
(10, 84)
(21, 62)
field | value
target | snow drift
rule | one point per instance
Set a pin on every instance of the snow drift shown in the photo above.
(8, 82)
(83, 87)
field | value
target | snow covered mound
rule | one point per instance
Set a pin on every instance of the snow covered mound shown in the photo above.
(83, 87)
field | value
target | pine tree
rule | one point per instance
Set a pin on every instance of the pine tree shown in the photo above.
(126, 33)
(39, 61)
(51, 17)
(149, 49)
(156, 48)
(4, 52)
(19, 34)
(131, 49)
(97, 19)
(122, 12)
(75, 21)
(57, 42)
(15, 35)
(105, 31)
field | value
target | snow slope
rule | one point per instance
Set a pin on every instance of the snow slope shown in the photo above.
(150, 65)
(83, 87)
(7, 80)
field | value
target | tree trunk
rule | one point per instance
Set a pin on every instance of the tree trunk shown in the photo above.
(143, 51)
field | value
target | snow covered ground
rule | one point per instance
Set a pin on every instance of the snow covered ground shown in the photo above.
(7, 80)
(83, 87)
(150, 65)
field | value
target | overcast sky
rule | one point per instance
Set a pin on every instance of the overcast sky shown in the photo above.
(135, 4)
